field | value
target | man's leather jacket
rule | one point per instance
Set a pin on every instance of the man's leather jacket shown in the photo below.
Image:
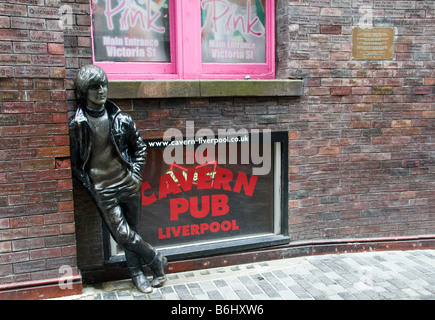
(124, 135)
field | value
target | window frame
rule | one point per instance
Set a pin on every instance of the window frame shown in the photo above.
(113, 253)
(185, 43)
(133, 70)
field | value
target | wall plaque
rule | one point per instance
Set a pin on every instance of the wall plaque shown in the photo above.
(372, 43)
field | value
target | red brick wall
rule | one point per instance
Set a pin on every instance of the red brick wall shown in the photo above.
(363, 166)
(37, 231)
(361, 149)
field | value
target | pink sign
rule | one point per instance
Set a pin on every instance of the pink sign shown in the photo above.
(233, 31)
(131, 30)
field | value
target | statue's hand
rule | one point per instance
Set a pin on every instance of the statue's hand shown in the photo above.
(134, 184)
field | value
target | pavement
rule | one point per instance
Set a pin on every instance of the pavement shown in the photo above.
(386, 275)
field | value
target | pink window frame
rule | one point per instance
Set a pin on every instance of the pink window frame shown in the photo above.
(185, 38)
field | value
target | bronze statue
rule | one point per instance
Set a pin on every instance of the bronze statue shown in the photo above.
(107, 157)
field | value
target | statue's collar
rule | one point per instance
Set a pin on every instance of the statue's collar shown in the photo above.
(112, 111)
(95, 113)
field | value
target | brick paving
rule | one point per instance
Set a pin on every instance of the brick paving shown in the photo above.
(391, 275)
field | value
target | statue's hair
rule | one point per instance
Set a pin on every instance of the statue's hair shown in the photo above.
(87, 77)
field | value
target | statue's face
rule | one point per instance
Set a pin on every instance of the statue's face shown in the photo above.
(97, 96)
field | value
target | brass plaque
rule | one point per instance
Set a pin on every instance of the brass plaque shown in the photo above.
(372, 43)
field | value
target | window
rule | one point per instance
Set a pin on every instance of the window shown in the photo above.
(227, 194)
(189, 39)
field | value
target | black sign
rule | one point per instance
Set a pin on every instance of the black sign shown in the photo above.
(219, 198)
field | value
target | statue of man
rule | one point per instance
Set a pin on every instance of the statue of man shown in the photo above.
(107, 157)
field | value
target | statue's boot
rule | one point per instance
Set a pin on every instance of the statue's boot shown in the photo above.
(141, 282)
(157, 266)
(139, 279)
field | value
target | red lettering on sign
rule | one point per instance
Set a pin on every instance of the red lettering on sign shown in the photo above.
(203, 227)
(185, 182)
(219, 203)
(226, 225)
(242, 180)
(197, 229)
(147, 200)
(222, 179)
(219, 206)
(215, 226)
(205, 206)
(204, 179)
(167, 186)
(177, 206)
(194, 229)
(176, 231)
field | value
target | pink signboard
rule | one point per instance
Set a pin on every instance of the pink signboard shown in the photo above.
(233, 31)
(131, 31)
